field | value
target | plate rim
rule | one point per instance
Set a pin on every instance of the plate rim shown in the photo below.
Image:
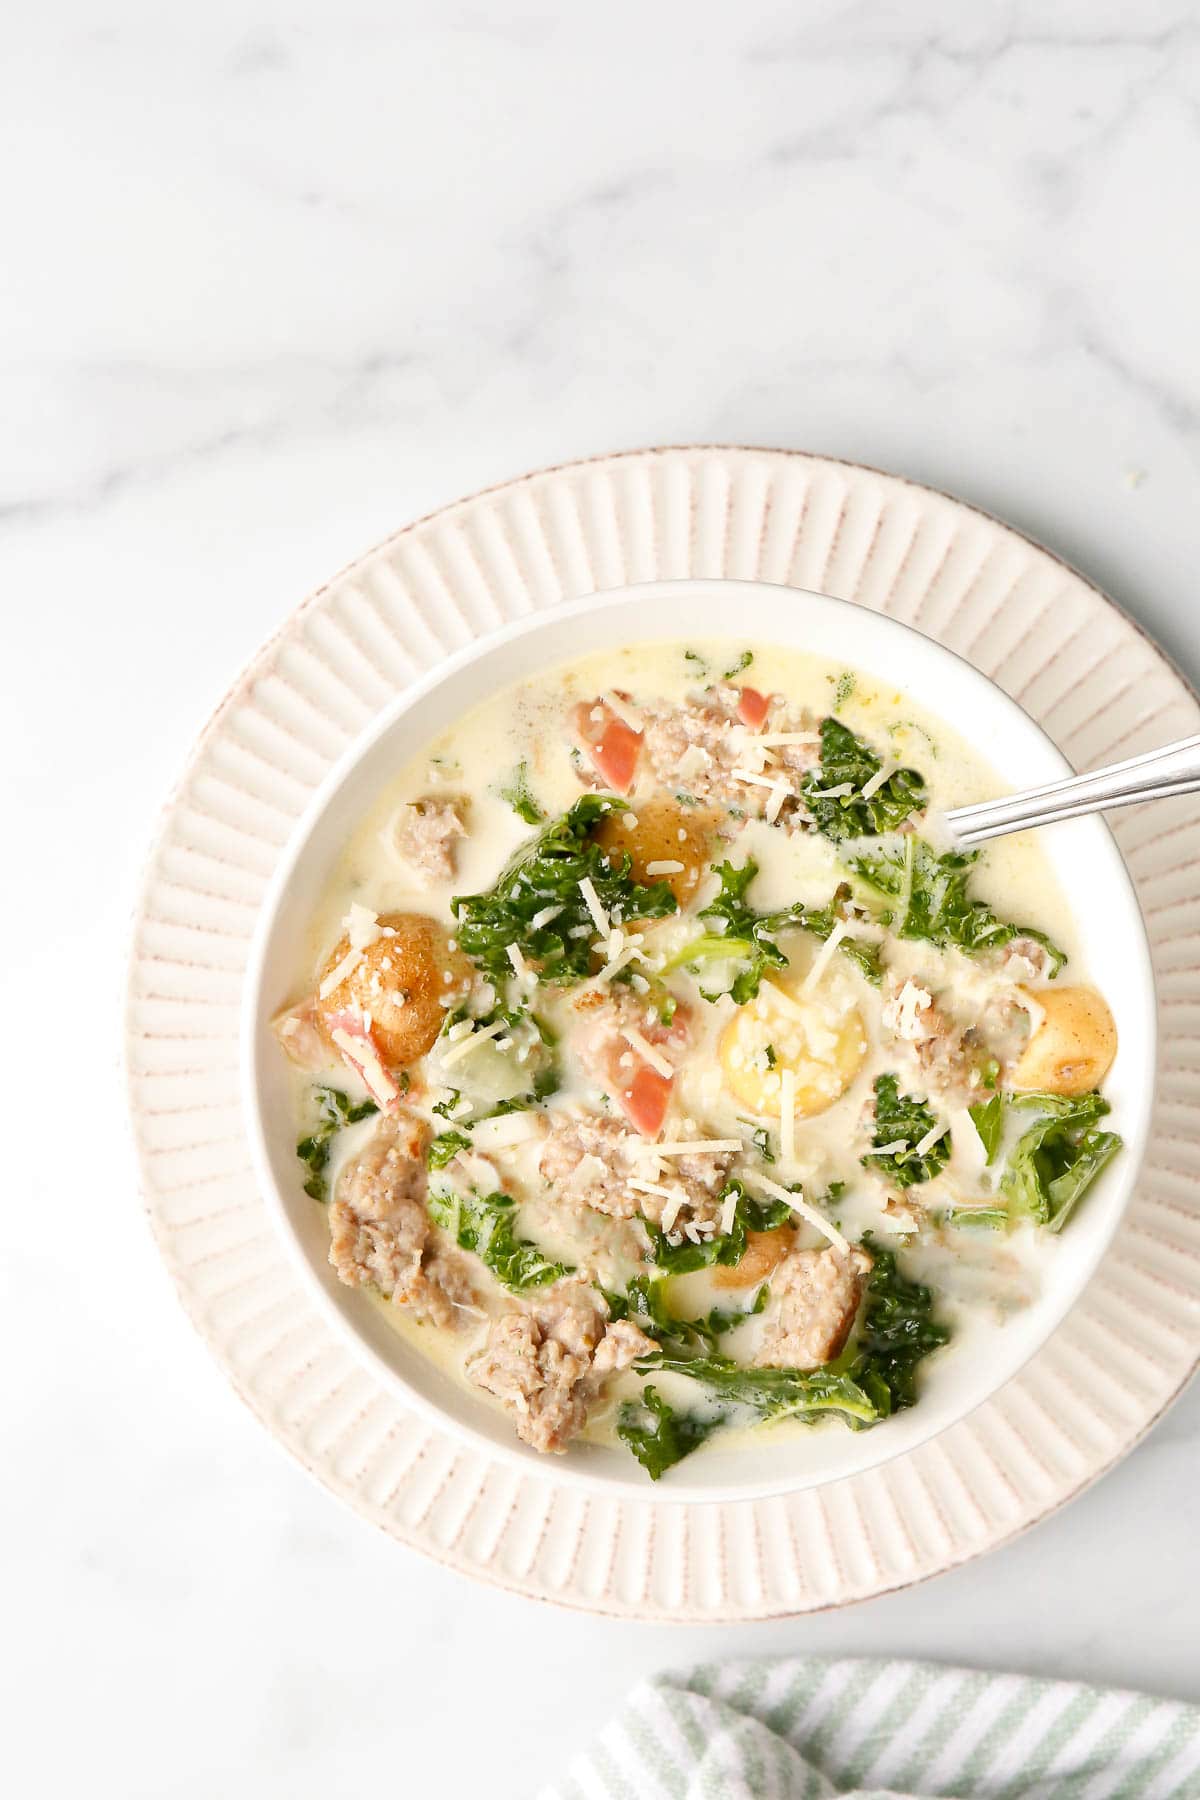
(156, 842)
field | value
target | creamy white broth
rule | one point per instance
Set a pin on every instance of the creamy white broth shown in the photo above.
(980, 1279)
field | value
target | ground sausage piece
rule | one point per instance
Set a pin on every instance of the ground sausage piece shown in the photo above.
(951, 1054)
(426, 835)
(604, 1015)
(694, 749)
(379, 1228)
(815, 1295)
(590, 1160)
(546, 1361)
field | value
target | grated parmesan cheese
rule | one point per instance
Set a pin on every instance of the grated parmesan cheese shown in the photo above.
(728, 1213)
(774, 806)
(520, 966)
(621, 709)
(361, 926)
(824, 957)
(544, 917)
(806, 1212)
(591, 900)
(698, 1147)
(664, 868)
(339, 973)
(884, 773)
(465, 1045)
(646, 1050)
(787, 1115)
(891, 1149)
(933, 1136)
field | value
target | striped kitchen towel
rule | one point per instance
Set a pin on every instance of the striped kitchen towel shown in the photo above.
(809, 1729)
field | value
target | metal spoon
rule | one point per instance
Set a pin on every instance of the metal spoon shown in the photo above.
(1174, 769)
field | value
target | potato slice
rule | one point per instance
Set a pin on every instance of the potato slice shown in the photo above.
(823, 1045)
(765, 1250)
(661, 831)
(400, 981)
(1072, 1047)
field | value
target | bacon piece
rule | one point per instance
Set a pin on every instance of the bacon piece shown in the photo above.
(612, 746)
(644, 1101)
(752, 707)
(357, 1048)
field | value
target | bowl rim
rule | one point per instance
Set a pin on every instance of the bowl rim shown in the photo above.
(252, 1020)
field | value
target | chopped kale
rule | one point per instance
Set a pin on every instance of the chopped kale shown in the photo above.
(846, 761)
(334, 1109)
(743, 662)
(645, 1302)
(516, 792)
(901, 1119)
(445, 1147)
(445, 1108)
(659, 1436)
(771, 1393)
(485, 1224)
(988, 1120)
(931, 902)
(725, 1248)
(896, 1331)
(749, 937)
(1057, 1159)
(844, 687)
(544, 879)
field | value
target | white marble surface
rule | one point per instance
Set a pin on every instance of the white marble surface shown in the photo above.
(279, 278)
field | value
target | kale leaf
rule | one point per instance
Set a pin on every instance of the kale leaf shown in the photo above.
(1056, 1160)
(516, 792)
(725, 1248)
(931, 901)
(544, 878)
(847, 760)
(334, 1110)
(900, 1118)
(749, 937)
(658, 1435)
(988, 1120)
(445, 1147)
(896, 1331)
(645, 1302)
(875, 1376)
(771, 1393)
(485, 1224)
(743, 662)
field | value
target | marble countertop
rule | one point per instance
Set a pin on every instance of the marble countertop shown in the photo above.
(274, 288)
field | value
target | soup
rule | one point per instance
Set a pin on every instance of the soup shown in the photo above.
(662, 1071)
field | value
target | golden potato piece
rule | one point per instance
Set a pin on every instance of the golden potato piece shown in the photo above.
(400, 980)
(765, 1250)
(1072, 1048)
(660, 831)
(821, 1042)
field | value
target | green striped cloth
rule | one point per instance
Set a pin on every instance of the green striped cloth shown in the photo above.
(810, 1729)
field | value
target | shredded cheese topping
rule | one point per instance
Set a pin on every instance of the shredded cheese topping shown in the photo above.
(472, 1041)
(646, 1050)
(591, 900)
(339, 973)
(882, 774)
(806, 1212)
(698, 1147)
(824, 957)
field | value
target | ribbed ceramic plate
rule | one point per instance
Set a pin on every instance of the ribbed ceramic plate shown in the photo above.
(1051, 640)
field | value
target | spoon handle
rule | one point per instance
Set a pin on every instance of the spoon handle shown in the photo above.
(1173, 769)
